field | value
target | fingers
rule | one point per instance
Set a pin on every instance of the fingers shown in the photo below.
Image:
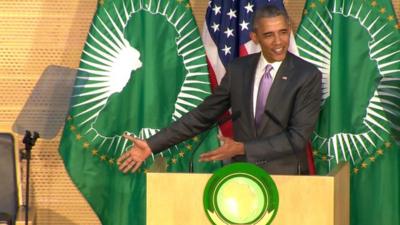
(128, 161)
(125, 156)
(210, 156)
(136, 167)
(126, 165)
(129, 137)
(229, 149)
(129, 164)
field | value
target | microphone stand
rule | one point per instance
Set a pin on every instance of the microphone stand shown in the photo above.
(29, 142)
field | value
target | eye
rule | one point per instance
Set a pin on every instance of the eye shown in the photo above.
(284, 32)
(268, 35)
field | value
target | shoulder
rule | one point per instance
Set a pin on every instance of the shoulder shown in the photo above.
(244, 61)
(300, 65)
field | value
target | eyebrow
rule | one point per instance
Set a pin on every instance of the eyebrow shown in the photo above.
(284, 29)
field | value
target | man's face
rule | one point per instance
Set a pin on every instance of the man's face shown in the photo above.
(273, 36)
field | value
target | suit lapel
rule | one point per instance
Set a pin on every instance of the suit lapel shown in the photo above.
(277, 90)
(248, 82)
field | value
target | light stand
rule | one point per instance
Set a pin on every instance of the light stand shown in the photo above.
(29, 142)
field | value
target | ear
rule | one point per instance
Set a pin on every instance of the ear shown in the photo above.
(253, 37)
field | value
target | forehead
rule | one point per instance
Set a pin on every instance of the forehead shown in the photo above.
(271, 24)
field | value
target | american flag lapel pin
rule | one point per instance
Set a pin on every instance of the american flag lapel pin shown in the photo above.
(284, 78)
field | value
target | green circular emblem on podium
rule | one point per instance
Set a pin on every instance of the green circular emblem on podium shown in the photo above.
(241, 193)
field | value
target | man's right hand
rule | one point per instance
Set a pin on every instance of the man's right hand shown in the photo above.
(134, 158)
(229, 149)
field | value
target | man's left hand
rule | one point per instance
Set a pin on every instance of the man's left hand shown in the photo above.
(228, 149)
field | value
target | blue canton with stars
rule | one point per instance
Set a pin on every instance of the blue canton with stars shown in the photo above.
(229, 24)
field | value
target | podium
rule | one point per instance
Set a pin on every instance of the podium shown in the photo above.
(177, 198)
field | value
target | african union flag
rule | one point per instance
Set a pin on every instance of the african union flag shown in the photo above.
(356, 45)
(143, 66)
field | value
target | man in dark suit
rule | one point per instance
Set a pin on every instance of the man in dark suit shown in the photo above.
(278, 98)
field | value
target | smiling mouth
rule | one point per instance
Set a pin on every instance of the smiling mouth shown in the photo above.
(278, 51)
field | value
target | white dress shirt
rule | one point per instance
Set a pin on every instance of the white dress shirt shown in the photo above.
(262, 63)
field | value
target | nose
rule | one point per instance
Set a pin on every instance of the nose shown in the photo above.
(277, 39)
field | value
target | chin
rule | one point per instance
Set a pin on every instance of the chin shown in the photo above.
(273, 57)
(282, 56)
(279, 58)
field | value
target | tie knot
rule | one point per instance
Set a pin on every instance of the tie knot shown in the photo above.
(268, 68)
(267, 73)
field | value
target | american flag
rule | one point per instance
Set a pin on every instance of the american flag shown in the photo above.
(226, 36)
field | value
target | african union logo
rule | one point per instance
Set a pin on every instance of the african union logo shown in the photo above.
(355, 46)
(143, 67)
(241, 193)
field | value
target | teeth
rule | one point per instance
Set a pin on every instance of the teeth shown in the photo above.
(278, 50)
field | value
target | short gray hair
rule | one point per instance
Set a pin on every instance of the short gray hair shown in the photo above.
(268, 11)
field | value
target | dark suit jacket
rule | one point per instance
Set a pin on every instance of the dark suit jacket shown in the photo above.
(292, 108)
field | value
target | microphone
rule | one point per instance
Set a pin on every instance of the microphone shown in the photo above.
(234, 116)
(277, 122)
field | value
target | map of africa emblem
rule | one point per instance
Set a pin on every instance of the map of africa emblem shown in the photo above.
(143, 67)
(356, 46)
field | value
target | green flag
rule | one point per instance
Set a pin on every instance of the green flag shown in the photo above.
(143, 66)
(356, 45)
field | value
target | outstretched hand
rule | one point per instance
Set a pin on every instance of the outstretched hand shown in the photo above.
(228, 149)
(134, 158)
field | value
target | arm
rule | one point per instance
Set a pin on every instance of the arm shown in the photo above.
(195, 121)
(187, 126)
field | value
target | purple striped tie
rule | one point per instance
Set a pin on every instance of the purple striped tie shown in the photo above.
(263, 90)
